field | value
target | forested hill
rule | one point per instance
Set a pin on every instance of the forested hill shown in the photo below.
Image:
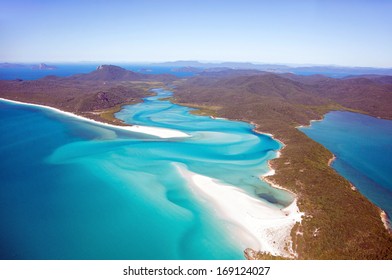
(340, 223)
(94, 94)
(282, 92)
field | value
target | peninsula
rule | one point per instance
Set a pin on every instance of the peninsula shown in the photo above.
(339, 223)
(96, 95)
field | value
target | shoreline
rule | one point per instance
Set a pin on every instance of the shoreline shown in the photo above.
(383, 215)
(268, 178)
(277, 243)
(267, 242)
(281, 221)
(310, 122)
(154, 131)
(255, 129)
(331, 160)
(272, 171)
(303, 169)
(254, 223)
(386, 221)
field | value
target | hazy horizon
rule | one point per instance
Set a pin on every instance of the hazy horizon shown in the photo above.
(344, 33)
(142, 63)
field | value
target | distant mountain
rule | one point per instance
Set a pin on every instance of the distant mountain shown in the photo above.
(342, 71)
(377, 78)
(231, 65)
(181, 63)
(116, 73)
(12, 65)
(187, 69)
(226, 72)
(85, 94)
(308, 80)
(110, 73)
(217, 69)
(41, 66)
(335, 71)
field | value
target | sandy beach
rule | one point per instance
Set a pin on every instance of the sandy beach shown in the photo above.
(385, 220)
(155, 131)
(255, 129)
(310, 123)
(331, 160)
(257, 224)
(254, 223)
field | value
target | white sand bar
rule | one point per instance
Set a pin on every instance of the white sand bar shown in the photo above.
(267, 227)
(155, 131)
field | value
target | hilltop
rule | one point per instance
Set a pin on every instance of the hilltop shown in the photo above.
(116, 73)
(330, 70)
(371, 96)
(41, 66)
(94, 95)
(340, 223)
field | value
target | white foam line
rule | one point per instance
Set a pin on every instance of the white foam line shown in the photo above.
(268, 228)
(155, 131)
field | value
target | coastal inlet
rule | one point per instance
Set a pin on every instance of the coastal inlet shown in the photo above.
(173, 186)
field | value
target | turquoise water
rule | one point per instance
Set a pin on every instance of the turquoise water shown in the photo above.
(72, 189)
(363, 147)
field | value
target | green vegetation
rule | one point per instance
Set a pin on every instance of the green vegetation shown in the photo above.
(201, 110)
(267, 256)
(92, 99)
(322, 110)
(107, 115)
(340, 223)
(164, 99)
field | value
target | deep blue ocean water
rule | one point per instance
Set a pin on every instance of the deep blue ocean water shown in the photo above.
(71, 189)
(363, 149)
(64, 70)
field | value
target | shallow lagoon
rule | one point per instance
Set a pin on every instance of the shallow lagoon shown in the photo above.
(76, 190)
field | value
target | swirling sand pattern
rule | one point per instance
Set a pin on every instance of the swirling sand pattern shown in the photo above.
(117, 194)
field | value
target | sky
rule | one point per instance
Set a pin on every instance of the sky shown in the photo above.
(333, 32)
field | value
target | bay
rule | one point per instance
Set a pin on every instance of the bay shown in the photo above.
(363, 148)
